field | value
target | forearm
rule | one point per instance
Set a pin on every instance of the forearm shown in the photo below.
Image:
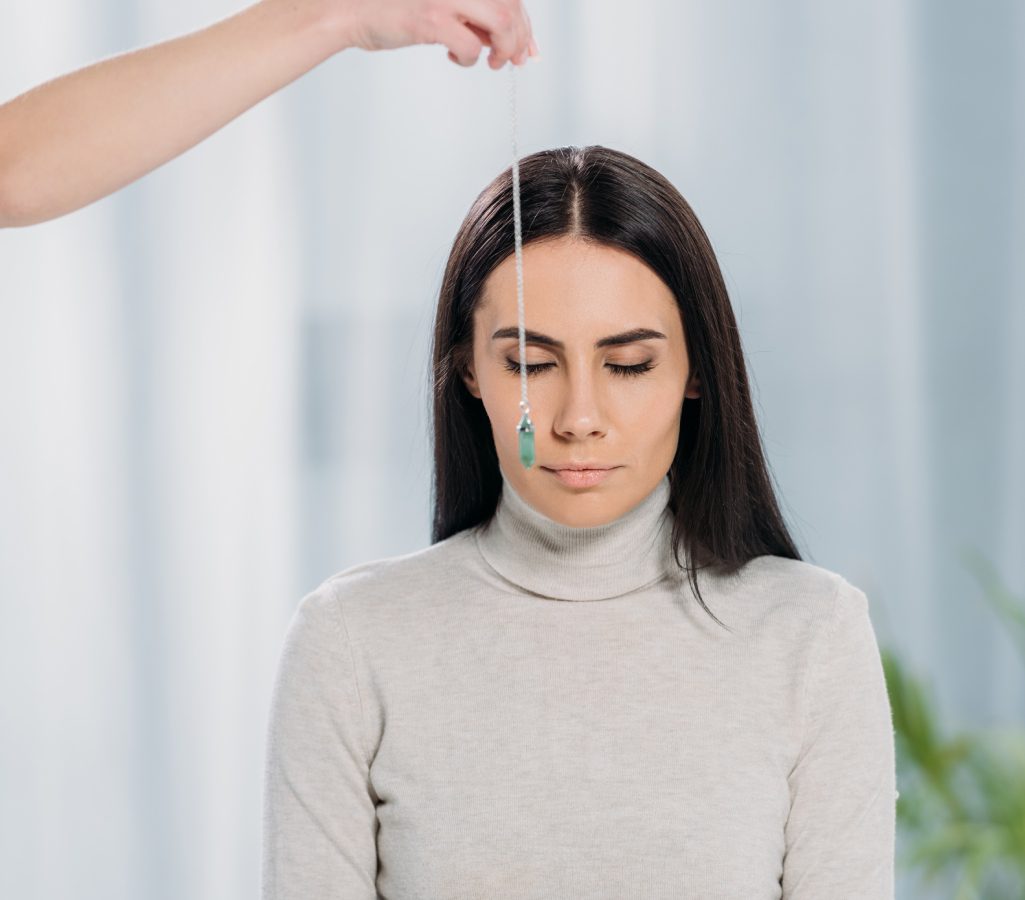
(85, 134)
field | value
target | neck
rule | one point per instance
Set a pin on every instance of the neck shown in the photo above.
(563, 562)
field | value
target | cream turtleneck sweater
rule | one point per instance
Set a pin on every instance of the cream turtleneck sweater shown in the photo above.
(444, 727)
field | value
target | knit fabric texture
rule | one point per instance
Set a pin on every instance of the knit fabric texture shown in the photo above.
(534, 711)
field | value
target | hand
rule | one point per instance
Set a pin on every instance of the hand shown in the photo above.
(464, 26)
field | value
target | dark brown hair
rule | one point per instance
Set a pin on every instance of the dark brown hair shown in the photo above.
(721, 493)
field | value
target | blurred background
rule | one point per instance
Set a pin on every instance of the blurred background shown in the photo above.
(213, 388)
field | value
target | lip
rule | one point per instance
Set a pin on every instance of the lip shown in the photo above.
(588, 466)
(582, 477)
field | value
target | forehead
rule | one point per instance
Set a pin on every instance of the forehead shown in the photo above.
(571, 276)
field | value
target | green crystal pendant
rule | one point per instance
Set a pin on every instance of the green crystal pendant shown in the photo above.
(526, 432)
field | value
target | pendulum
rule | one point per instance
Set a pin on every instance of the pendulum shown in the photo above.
(526, 432)
(525, 428)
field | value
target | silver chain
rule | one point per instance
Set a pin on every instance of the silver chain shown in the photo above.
(518, 229)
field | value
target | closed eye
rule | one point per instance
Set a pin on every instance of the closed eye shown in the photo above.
(536, 368)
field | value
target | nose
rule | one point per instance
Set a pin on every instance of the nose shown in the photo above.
(579, 407)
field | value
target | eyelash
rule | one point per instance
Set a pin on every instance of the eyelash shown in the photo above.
(626, 371)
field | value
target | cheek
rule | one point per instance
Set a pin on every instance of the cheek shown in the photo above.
(657, 408)
(501, 398)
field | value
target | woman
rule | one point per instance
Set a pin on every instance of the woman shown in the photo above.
(80, 137)
(535, 706)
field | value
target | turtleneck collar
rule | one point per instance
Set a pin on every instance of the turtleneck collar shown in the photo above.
(564, 562)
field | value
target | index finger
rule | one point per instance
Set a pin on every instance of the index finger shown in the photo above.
(501, 24)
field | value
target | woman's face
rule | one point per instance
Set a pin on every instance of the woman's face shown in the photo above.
(584, 408)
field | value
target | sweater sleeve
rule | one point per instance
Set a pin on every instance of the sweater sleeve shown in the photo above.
(319, 815)
(840, 833)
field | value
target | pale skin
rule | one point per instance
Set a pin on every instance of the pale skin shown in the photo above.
(85, 134)
(582, 408)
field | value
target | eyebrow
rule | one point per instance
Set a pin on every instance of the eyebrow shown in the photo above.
(535, 337)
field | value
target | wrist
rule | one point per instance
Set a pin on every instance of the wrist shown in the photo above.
(333, 19)
(325, 24)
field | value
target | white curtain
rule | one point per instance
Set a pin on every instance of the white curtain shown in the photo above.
(214, 383)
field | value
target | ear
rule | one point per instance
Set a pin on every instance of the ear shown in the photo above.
(470, 380)
(693, 389)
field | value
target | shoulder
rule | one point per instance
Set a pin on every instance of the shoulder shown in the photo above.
(791, 599)
(390, 580)
(784, 576)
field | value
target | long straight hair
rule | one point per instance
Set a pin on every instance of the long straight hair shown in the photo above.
(721, 495)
